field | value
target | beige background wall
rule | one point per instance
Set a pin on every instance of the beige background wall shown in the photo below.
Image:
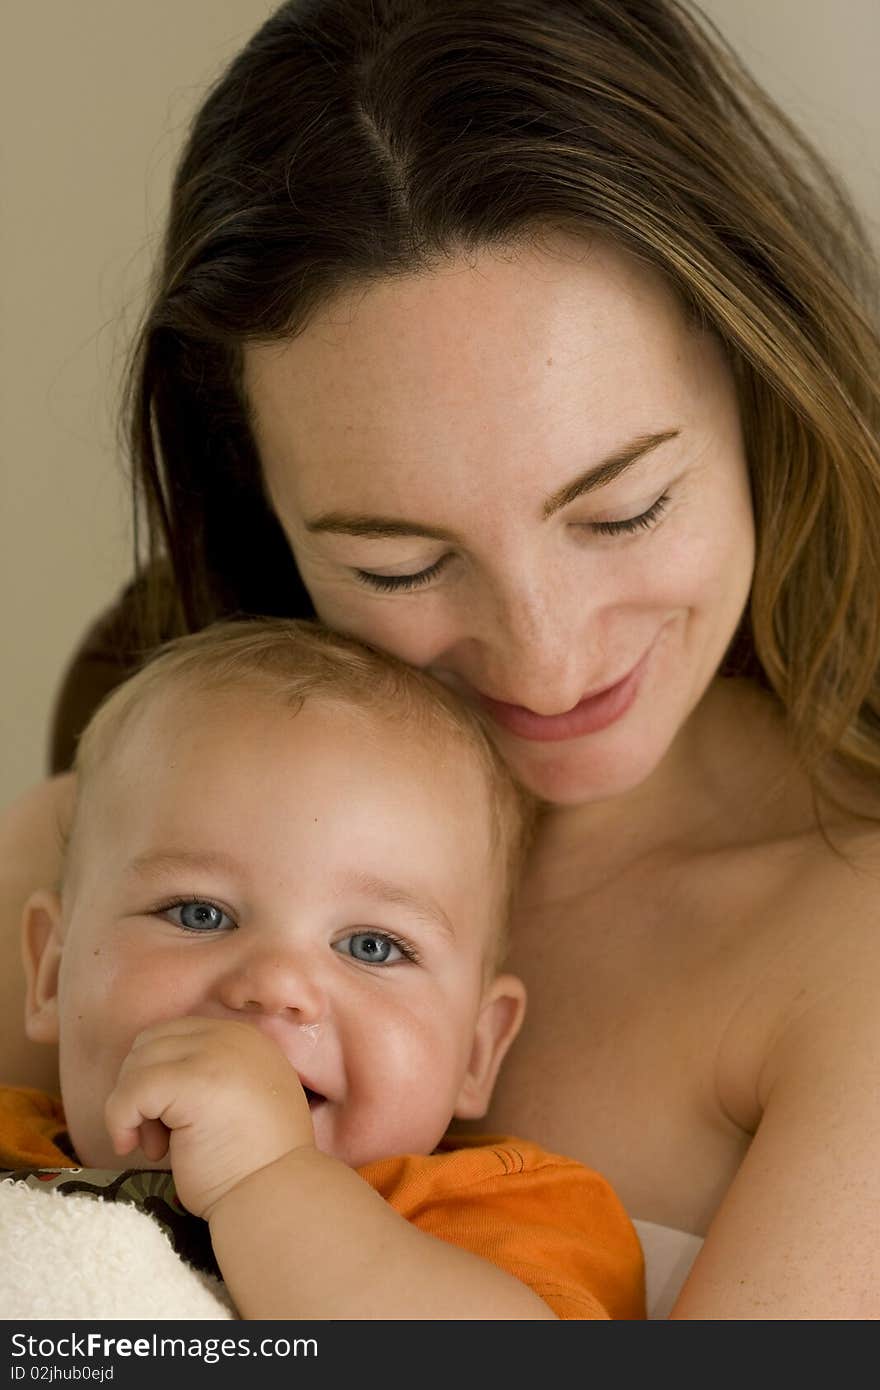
(94, 99)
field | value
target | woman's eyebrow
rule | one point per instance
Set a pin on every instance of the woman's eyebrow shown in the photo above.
(352, 524)
(378, 527)
(606, 471)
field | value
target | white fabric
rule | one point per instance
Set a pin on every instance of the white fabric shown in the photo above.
(77, 1258)
(669, 1255)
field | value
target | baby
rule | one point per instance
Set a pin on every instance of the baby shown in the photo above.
(273, 967)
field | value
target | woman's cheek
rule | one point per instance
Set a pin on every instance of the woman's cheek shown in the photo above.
(404, 629)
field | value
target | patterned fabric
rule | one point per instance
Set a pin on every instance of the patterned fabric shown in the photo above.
(152, 1191)
(550, 1222)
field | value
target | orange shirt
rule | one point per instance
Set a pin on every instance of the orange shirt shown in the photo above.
(550, 1222)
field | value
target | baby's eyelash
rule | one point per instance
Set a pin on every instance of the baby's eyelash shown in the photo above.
(643, 522)
(401, 583)
(405, 947)
(186, 900)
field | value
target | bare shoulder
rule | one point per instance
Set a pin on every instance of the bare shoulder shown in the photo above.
(813, 849)
(805, 947)
(795, 1235)
(834, 883)
(827, 911)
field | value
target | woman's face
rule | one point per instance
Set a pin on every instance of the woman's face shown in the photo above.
(523, 472)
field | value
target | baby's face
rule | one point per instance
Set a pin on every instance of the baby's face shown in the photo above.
(321, 874)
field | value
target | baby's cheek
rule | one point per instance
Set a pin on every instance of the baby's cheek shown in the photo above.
(84, 1112)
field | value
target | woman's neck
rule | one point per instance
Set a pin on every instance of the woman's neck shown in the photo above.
(730, 774)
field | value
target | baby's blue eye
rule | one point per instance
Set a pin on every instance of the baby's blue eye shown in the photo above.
(198, 916)
(371, 948)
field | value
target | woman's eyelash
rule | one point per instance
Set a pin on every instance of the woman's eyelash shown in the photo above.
(643, 522)
(405, 583)
(401, 583)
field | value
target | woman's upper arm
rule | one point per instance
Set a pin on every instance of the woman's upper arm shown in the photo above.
(796, 1236)
(32, 832)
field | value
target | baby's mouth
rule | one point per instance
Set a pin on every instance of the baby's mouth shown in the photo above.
(314, 1098)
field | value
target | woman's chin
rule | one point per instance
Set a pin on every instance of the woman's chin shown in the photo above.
(574, 775)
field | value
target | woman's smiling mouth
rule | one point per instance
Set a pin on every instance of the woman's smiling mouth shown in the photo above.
(588, 716)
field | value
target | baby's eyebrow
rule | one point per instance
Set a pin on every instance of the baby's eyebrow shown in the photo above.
(384, 893)
(169, 861)
(381, 891)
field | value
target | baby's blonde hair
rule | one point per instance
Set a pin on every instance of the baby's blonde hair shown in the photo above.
(293, 661)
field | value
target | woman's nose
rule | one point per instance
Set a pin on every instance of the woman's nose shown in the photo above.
(533, 651)
(274, 982)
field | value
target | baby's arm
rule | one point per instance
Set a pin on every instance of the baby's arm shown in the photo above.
(297, 1234)
(306, 1237)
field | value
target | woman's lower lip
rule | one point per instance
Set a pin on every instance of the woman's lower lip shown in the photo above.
(589, 716)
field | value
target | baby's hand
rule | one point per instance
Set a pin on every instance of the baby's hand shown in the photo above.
(220, 1097)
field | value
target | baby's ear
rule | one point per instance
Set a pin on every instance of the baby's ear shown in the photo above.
(499, 1021)
(41, 952)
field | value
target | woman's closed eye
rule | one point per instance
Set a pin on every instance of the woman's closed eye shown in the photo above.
(402, 583)
(407, 583)
(627, 526)
(196, 915)
(375, 948)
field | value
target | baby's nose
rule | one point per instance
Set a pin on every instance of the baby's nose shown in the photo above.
(274, 984)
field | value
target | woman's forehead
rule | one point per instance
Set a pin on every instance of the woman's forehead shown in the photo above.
(498, 348)
(562, 294)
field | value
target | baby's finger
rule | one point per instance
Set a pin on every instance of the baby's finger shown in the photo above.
(132, 1118)
(187, 1026)
(123, 1140)
(154, 1137)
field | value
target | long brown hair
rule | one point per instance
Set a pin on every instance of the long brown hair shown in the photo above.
(355, 139)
